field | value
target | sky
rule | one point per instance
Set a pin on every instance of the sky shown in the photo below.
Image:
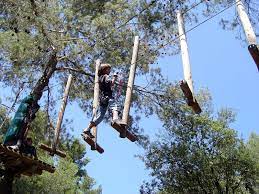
(219, 62)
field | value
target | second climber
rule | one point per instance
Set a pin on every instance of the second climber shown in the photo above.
(106, 98)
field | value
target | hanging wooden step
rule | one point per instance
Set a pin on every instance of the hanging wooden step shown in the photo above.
(51, 151)
(21, 163)
(191, 101)
(122, 129)
(91, 142)
(254, 52)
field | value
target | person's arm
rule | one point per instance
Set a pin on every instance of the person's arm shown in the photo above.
(108, 80)
(115, 76)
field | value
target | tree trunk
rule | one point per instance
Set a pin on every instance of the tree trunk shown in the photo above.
(44, 80)
(6, 182)
(39, 87)
(7, 175)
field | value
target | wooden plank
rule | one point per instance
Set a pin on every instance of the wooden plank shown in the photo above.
(196, 107)
(122, 129)
(27, 170)
(126, 109)
(51, 151)
(22, 161)
(40, 164)
(191, 101)
(187, 92)
(12, 162)
(61, 114)
(184, 51)
(96, 99)
(91, 142)
(245, 21)
(187, 84)
(254, 52)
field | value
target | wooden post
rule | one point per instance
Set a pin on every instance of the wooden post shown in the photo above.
(249, 32)
(248, 29)
(127, 103)
(96, 98)
(187, 85)
(61, 114)
(184, 51)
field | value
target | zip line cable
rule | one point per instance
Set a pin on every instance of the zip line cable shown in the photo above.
(137, 16)
(128, 20)
(176, 38)
(189, 30)
(173, 40)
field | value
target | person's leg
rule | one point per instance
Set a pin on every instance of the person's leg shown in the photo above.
(96, 120)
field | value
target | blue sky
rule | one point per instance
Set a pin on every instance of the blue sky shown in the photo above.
(220, 63)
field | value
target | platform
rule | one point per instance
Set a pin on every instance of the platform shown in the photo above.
(122, 129)
(51, 152)
(21, 163)
(254, 51)
(91, 142)
(191, 101)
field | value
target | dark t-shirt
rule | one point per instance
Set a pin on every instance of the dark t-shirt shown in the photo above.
(105, 85)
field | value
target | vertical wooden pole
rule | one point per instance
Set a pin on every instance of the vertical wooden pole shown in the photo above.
(127, 103)
(61, 113)
(249, 32)
(96, 98)
(248, 29)
(184, 51)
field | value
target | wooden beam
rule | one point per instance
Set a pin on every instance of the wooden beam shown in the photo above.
(245, 21)
(126, 110)
(184, 52)
(254, 51)
(191, 101)
(249, 31)
(122, 129)
(21, 163)
(187, 92)
(94, 146)
(187, 84)
(61, 114)
(51, 151)
(96, 100)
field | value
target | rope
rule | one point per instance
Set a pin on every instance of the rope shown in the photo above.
(189, 30)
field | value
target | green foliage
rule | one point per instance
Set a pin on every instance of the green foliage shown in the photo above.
(64, 180)
(253, 147)
(202, 153)
(198, 154)
(70, 175)
(4, 122)
(82, 31)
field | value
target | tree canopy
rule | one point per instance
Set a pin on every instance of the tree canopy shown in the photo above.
(70, 175)
(197, 153)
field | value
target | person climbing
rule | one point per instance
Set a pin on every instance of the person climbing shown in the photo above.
(28, 148)
(106, 98)
(14, 136)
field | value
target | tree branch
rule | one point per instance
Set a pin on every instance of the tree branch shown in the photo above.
(74, 70)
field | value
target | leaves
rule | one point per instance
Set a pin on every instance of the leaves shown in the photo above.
(199, 154)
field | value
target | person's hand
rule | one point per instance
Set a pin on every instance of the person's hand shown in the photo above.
(115, 75)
